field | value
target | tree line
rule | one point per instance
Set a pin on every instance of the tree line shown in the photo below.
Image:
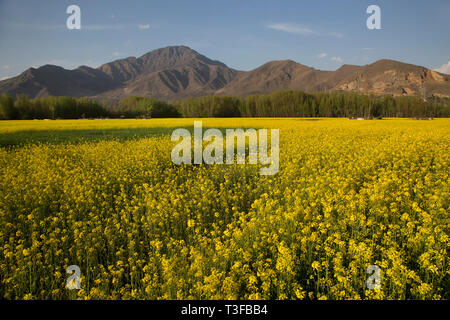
(23, 108)
(286, 103)
(292, 103)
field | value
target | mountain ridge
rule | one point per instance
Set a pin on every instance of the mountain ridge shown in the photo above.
(177, 72)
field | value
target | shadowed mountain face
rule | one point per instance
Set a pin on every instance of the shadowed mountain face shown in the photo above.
(167, 73)
(52, 80)
(177, 72)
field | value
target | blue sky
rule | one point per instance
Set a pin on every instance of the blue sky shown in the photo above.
(243, 34)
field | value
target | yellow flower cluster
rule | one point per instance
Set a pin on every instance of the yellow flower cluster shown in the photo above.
(349, 194)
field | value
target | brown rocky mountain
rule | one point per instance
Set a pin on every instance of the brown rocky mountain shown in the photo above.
(384, 77)
(393, 77)
(168, 73)
(273, 76)
(52, 80)
(176, 72)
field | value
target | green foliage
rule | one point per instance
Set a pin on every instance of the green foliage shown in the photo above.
(76, 108)
(50, 108)
(292, 103)
(287, 103)
(210, 106)
(132, 107)
(7, 110)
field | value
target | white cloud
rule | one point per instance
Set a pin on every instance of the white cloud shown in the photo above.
(445, 68)
(290, 28)
(100, 27)
(336, 59)
(321, 56)
(301, 30)
(336, 34)
(6, 67)
(116, 54)
(144, 26)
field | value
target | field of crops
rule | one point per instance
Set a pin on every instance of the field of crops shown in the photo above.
(105, 195)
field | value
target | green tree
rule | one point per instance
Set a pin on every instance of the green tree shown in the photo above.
(7, 109)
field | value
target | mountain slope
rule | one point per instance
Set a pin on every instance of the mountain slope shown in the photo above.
(397, 78)
(166, 73)
(384, 77)
(52, 80)
(176, 72)
(273, 76)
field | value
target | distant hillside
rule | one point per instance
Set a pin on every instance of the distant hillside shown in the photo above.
(384, 77)
(177, 72)
(53, 80)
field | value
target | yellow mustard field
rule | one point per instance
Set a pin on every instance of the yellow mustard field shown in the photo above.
(348, 194)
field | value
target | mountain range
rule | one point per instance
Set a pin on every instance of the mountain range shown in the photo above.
(177, 72)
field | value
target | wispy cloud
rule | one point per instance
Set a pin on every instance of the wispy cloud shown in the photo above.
(6, 67)
(301, 30)
(116, 54)
(445, 68)
(144, 26)
(101, 27)
(322, 55)
(291, 28)
(336, 59)
(336, 34)
(367, 49)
